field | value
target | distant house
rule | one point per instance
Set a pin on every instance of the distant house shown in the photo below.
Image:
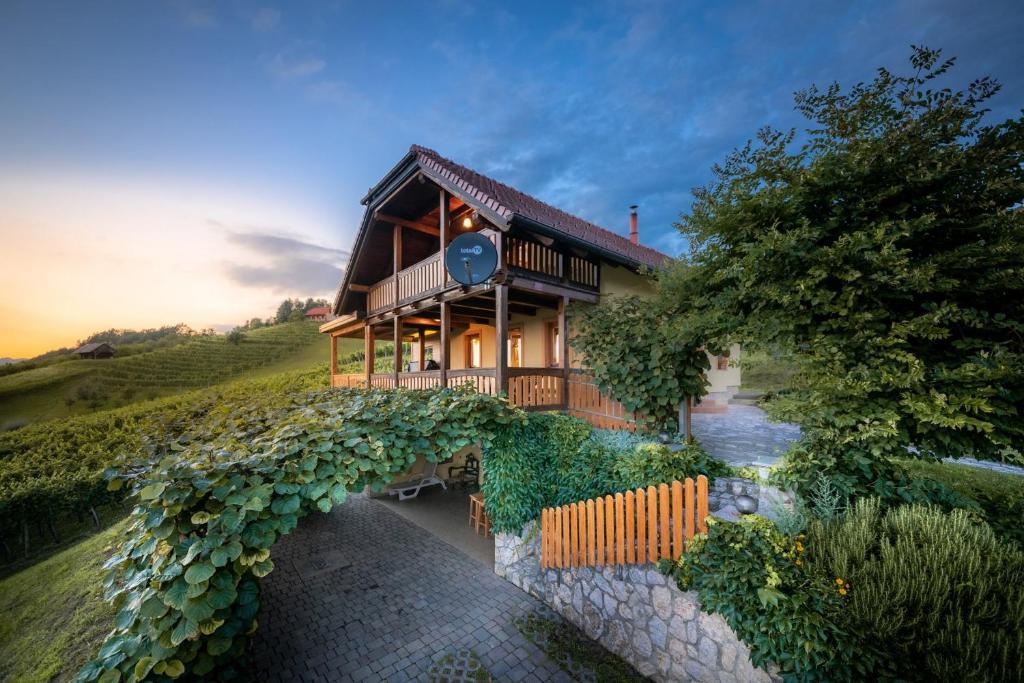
(96, 350)
(319, 313)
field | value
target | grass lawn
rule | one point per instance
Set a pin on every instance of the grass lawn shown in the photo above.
(54, 615)
(764, 372)
(1000, 494)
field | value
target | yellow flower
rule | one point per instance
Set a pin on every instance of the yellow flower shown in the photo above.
(798, 562)
(839, 582)
(842, 591)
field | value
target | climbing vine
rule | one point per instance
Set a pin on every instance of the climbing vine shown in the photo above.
(185, 580)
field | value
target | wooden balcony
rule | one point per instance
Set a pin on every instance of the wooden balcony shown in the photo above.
(523, 258)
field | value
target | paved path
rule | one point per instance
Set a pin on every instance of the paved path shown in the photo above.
(743, 436)
(362, 594)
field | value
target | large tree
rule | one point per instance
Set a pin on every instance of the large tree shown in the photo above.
(885, 247)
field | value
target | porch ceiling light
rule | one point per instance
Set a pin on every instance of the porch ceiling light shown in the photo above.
(467, 222)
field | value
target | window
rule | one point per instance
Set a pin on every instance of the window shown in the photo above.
(553, 353)
(515, 347)
(723, 362)
(474, 352)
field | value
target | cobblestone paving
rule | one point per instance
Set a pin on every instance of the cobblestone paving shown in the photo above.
(743, 436)
(361, 594)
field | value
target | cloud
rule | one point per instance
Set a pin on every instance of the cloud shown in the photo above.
(195, 16)
(265, 19)
(287, 264)
(289, 67)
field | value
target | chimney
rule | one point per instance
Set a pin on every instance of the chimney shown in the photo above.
(634, 228)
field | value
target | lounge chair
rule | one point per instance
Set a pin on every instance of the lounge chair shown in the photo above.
(411, 488)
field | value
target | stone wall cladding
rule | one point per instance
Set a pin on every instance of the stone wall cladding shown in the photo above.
(634, 611)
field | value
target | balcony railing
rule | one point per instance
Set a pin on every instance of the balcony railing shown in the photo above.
(532, 259)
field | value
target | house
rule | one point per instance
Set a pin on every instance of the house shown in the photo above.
(96, 350)
(508, 334)
(319, 313)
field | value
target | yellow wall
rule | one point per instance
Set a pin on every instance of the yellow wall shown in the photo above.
(721, 380)
(622, 281)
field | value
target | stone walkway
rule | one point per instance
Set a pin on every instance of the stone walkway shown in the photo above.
(743, 436)
(362, 594)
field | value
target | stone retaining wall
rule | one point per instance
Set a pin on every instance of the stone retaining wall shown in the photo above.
(766, 499)
(635, 612)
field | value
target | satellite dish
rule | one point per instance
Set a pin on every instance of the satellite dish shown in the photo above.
(471, 259)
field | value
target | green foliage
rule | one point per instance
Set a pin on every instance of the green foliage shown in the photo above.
(999, 496)
(651, 464)
(54, 469)
(648, 355)
(757, 579)
(577, 654)
(554, 459)
(235, 336)
(211, 503)
(937, 592)
(886, 253)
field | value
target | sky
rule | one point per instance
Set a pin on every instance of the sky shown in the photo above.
(196, 162)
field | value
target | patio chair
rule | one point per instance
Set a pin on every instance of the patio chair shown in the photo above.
(411, 488)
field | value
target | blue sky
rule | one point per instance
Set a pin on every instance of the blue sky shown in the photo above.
(247, 132)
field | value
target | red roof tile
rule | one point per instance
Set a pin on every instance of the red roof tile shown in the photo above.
(507, 201)
(318, 310)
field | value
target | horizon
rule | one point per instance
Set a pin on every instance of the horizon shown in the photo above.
(198, 162)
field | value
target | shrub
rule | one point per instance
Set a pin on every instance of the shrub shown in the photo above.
(937, 592)
(756, 578)
(553, 459)
(650, 464)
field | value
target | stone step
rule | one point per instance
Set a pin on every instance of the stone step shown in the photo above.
(743, 401)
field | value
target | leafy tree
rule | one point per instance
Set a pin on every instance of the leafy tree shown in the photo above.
(647, 354)
(296, 316)
(283, 311)
(235, 336)
(887, 250)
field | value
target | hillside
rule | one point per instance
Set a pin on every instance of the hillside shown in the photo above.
(82, 386)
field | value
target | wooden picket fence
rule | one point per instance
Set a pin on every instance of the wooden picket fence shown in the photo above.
(630, 528)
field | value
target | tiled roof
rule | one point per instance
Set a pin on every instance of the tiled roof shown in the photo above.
(318, 310)
(89, 348)
(507, 201)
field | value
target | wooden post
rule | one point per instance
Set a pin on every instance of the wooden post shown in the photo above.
(422, 351)
(334, 358)
(686, 418)
(397, 247)
(563, 350)
(501, 339)
(446, 319)
(398, 348)
(443, 224)
(369, 352)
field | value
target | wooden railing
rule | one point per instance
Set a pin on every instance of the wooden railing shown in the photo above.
(382, 380)
(586, 401)
(631, 528)
(419, 380)
(525, 255)
(381, 295)
(539, 388)
(583, 272)
(423, 278)
(482, 379)
(349, 380)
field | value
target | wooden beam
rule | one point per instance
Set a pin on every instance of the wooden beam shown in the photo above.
(405, 223)
(445, 325)
(444, 227)
(370, 353)
(398, 348)
(563, 350)
(501, 339)
(555, 290)
(422, 359)
(334, 357)
(359, 288)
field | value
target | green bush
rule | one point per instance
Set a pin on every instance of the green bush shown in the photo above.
(554, 459)
(185, 579)
(651, 464)
(757, 579)
(937, 592)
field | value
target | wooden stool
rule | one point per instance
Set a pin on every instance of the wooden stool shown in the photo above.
(477, 515)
